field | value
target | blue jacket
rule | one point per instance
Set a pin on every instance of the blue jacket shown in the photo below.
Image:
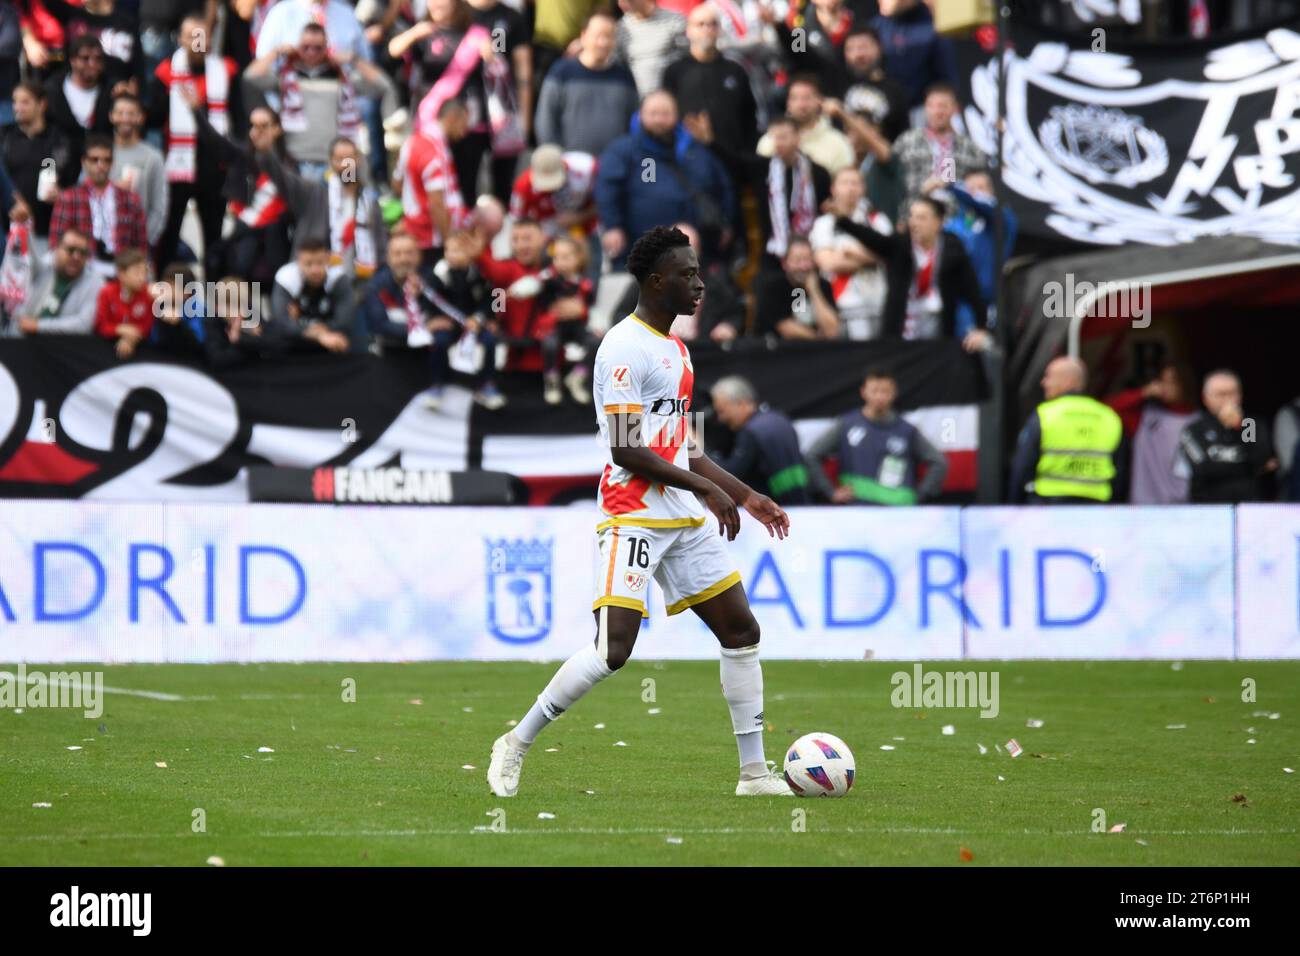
(976, 226)
(915, 55)
(627, 201)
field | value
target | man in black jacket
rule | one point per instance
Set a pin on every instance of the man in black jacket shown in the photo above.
(25, 149)
(765, 454)
(1229, 457)
(928, 274)
(81, 96)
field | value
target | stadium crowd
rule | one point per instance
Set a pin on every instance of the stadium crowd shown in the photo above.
(447, 175)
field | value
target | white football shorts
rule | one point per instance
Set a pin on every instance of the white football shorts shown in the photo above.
(690, 563)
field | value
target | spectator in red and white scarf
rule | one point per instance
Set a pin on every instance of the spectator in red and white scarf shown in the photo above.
(855, 274)
(929, 275)
(319, 90)
(936, 150)
(113, 218)
(791, 189)
(259, 244)
(342, 209)
(194, 81)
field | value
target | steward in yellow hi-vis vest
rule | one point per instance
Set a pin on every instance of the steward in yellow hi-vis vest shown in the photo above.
(1069, 450)
(1078, 438)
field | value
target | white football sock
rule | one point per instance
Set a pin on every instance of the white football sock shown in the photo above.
(742, 686)
(579, 674)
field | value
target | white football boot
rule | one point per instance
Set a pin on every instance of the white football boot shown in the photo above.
(772, 785)
(503, 770)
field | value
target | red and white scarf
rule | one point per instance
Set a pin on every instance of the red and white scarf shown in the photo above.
(941, 147)
(182, 129)
(350, 228)
(418, 335)
(293, 113)
(923, 302)
(738, 28)
(266, 206)
(796, 214)
(16, 270)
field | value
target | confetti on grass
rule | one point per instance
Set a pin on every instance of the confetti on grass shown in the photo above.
(545, 816)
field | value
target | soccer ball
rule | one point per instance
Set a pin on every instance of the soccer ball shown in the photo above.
(819, 765)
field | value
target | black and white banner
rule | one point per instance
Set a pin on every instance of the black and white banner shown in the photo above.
(75, 422)
(1152, 144)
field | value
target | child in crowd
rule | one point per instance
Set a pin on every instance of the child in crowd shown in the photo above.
(461, 302)
(563, 306)
(124, 310)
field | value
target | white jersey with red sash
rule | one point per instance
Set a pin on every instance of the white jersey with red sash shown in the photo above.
(640, 370)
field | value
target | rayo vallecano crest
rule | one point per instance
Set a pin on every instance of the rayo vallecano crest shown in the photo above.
(1158, 149)
(519, 588)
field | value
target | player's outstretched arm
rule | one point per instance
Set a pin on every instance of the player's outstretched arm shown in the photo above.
(761, 507)
(627, 451)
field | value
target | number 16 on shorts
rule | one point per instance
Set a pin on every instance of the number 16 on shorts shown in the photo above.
(627, 562)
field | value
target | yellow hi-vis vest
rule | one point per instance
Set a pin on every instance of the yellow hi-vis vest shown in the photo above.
(1077, 450)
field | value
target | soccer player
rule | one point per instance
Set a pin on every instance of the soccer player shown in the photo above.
(657, 493)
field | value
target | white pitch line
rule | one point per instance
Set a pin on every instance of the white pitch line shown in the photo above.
(41, 678)
(635, 831)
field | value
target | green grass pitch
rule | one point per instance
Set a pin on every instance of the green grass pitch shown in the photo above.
(380, 781)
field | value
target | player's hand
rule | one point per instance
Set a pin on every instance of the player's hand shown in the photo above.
(770, 514)
(720, 503)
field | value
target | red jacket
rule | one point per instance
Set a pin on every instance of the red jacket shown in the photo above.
(111, 311)
(520, 319)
